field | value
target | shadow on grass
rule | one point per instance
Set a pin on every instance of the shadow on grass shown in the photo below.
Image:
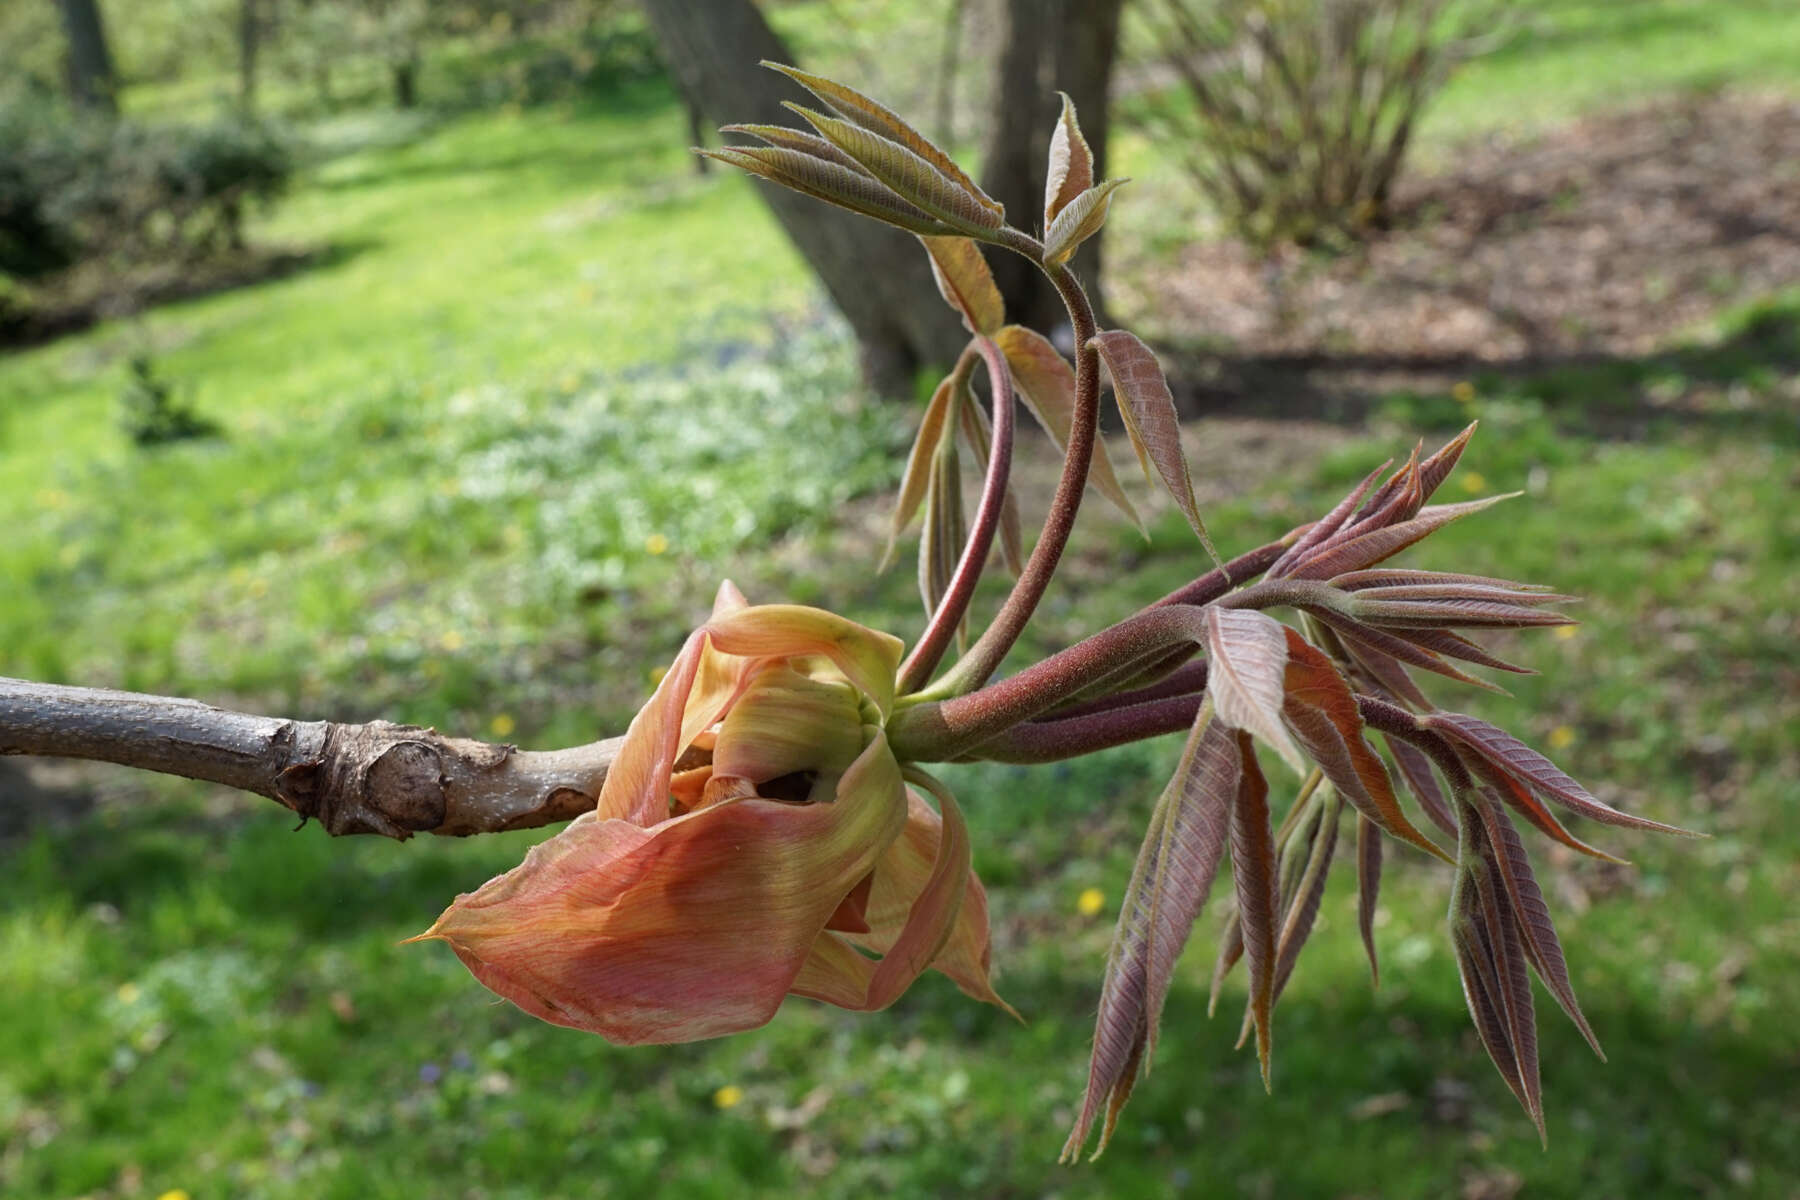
(1730, 386)
(94, 292)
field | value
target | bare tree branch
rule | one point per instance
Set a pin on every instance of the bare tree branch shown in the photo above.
(393, 780)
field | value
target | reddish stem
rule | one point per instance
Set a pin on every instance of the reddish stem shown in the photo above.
(977, 666)
(1219, 580)
(1072, 737)
(955, 603)
(1185, 679)
(946, 729)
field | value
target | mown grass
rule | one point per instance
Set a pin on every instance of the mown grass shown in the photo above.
(542, 355)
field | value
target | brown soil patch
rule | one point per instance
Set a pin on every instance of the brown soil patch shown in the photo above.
(1602, 237)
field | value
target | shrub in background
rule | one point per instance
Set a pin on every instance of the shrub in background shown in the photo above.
(1294, 116)
(76, 188)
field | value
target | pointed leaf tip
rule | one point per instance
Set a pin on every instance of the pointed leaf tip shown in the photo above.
(1148, 407)
(1071, 166)
(1080, 220)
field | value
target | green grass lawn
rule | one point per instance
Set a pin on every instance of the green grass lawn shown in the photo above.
(480, 467)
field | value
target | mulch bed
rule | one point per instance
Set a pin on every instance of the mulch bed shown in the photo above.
(1601, 237)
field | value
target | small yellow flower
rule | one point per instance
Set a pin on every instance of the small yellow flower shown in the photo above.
(501, 725)
(1567, 632)
(729, 1096)
(127, 993)
(1474, 481)
(1562, 737)
(450, 641)
(655, 674)
(174, 1194)
(656, 543)
(1463, 392)
(1090, 902)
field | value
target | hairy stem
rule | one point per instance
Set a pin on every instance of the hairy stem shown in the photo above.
(393, 780)
(977, 666)
(950, 610)
(946, 729)
(1072, 737)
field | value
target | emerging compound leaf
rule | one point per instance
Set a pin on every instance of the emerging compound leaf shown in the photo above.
(1144, 401)
(1368, 888)
(1247, 654)
(965, 282)
(1507, 861)
(860, 110)
(945, 529)
(1079, 221)
(855, 190)
(917, 480)
(1322, 713)
(913, 178)
(1046, 383)
(1168, 887)
(978, 437)
(1071, 167)
(1367, 549)
(1253, 874)
(1515, 758)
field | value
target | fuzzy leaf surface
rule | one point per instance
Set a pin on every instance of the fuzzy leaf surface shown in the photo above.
(966, 283)
(1144, 400)
(1046, 383)
(1174, 873)
(1071, 166)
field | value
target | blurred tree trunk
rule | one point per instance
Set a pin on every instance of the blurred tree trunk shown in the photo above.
(249, 37)
(91, 82)
(406, 80)
(1050, 46)
(878, 277)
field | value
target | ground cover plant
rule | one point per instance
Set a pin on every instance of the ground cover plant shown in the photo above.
(156, 927)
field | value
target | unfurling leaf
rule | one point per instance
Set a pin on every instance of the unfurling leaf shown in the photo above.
(1507, 860)
(1079, 221)
(1174, 872)
(965, 282)
(1046, 383)
(978, 437)
(1071, 167)
(1368, 888)
(855, 190)
(1247, 655)
(1323, 715)
(1508, 754)
(1253, 875)
(1491, 956)
(1352, 551)
(945, 530)
(913, 178)
(917, 480)
(857, 108)
(1415, 768)
(1148, 408)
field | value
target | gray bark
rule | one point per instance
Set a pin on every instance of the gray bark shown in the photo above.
(381, 778)
(878, 277)
(91, 80)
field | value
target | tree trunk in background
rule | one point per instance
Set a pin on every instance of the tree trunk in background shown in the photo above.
(1050, 46)
(91, 83)
(878, 277)
(406, 81)
(249, 35)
